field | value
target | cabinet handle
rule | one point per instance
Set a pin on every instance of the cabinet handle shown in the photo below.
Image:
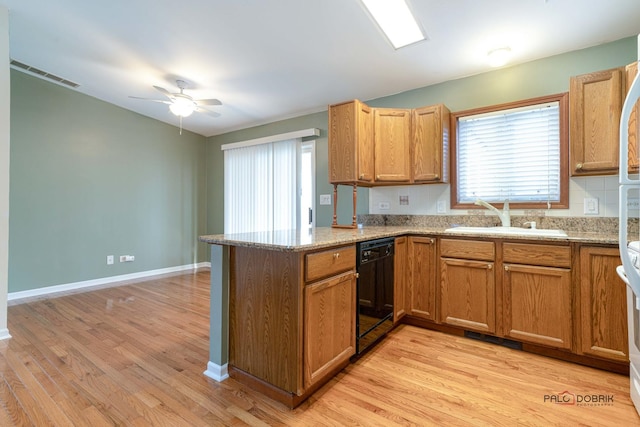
(489, 266)
(579, 166)
(506, 268)
(357, 275)
(336, 255)
(432, 241)
(437, 176)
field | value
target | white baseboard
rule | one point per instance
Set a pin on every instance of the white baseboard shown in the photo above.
(4, 334)
(217, 372)
(85, 285)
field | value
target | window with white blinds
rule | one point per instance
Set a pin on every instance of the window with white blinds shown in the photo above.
(511, 153)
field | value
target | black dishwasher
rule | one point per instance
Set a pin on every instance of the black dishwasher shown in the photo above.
(374, 291)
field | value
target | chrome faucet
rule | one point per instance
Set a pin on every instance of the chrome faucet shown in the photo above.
(504, 216)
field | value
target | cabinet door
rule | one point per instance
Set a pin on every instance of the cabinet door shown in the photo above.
(329, 325)
(350, 143)
(430, 144)
(634, 122)
(594, 118)
(422, 274)
(537, 304)
(392, 128)
(400, 282)
(467, 295)
(603, 310)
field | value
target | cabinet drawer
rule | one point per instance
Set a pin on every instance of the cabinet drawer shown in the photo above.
(467, 249)
(532, 254)
(329, 262)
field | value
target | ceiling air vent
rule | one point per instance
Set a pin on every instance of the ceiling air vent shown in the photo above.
(43, 74)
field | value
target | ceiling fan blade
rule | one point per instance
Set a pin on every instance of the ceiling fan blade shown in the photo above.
(164, 91)
(152, 100)
(207, 112)
(208, 102)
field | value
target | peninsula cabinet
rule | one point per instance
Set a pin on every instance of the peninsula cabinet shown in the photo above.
(430, 144)
(602, 305)
(595, 104)
(537, 294)
(392, 145)
(467, 284)
(291, 318)
(351, 143)
(422, 277)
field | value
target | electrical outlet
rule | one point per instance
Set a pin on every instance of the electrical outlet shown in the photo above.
(591, 206)
(404, 200)
(441, 206)
(109, 259)
(127, 258)
(325, 199)
(633, 203)
(384, 206)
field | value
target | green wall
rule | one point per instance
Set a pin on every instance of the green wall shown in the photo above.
(537, 78)
(89, 179)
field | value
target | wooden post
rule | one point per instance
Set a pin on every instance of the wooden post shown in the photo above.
(354, 223)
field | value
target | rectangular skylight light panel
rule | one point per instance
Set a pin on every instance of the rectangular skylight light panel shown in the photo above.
(396, 21)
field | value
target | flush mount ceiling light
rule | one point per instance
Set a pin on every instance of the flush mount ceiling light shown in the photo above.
(396, 21)
(498, 57)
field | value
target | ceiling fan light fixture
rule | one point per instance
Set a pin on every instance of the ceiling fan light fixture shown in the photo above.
(182, 106)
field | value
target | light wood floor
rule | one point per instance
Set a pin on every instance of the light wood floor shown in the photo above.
(135, 355)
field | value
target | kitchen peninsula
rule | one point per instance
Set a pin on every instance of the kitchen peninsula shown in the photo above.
(283, 302)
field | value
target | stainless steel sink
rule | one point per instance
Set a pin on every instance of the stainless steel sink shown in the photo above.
(510, 231)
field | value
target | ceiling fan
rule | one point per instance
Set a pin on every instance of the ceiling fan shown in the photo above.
(181, 104)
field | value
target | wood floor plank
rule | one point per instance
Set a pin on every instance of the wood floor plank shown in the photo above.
(135, 354)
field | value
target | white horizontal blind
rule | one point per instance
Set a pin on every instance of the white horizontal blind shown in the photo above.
(260, 187)
(510, 154)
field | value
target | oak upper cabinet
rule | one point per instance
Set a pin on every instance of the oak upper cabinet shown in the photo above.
(351, 143)
(430, 144)
(595, 104)
(422, 277)
(467, 284)
(537, 294)
(634, 122)
(329, 312)
(602, 304)
(392, 142)
(400, 278)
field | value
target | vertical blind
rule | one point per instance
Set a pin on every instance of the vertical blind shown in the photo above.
(510, 154)
(260, 185)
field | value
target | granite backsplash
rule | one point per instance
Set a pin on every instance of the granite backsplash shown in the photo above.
(606, 225)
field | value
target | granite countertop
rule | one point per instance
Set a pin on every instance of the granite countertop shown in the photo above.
(321, 237)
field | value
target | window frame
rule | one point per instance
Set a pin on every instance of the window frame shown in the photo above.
(563, 103)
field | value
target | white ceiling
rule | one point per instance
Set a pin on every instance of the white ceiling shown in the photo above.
(268, 60)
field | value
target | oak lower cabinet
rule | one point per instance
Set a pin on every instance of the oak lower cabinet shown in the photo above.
(401, 291)
(537, 294)
(329, 325)
(602, 330)
(467, 284)
(422, 277)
